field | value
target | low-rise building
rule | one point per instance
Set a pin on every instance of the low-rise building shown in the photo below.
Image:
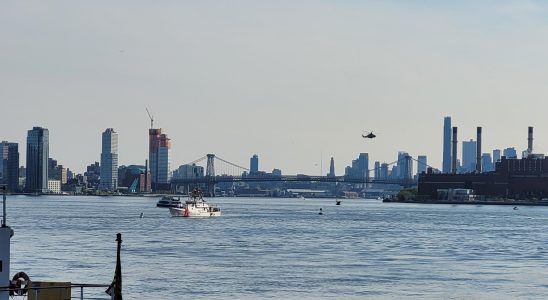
(54, 186)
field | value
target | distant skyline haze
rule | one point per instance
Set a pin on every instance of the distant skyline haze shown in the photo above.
(290, 81)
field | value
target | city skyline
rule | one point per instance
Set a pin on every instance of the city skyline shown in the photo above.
(288, 80)
(157, 138)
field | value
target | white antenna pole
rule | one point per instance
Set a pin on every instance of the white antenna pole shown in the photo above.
(321, 163)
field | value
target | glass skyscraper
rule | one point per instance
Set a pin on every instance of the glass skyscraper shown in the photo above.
(446, 145)
(9, 165)
(158, 157)
(109, 161)
(496, 155)
(405, 165)
(254, 164)
(37, 160)
(422, 164)
(359, 168)
(469, 154)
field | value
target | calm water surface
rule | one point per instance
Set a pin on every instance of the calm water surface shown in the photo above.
(282, 249)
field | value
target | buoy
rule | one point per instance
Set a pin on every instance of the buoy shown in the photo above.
(320, 213)
(142, 215)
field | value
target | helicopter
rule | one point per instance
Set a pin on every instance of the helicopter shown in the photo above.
(368, 135)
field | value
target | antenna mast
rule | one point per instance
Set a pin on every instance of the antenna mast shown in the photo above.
(151, 119)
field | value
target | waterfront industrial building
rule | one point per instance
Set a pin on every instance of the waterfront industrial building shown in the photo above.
(513, 178)
(525, 178)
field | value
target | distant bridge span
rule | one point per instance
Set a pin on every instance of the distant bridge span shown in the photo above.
(216, 165)
(210, 181)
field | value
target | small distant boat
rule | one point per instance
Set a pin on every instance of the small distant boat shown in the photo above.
(515, 208)
(196, 206)
(301, 197)
(337, 202)
(167, 201)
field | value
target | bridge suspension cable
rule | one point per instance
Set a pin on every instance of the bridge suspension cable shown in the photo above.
(197, 160)
(232, 164)
(222, 167)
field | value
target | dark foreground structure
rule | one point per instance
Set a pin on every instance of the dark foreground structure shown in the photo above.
(519, 179)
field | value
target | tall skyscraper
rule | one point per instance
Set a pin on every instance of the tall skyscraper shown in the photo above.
(496, 156)
(254, 164)
(486, 163)
(384, 171)
(377, 171)
(363, 164)
(359, 168)
(469, 152)
(9, 165)
(109, 160)
(446, 145)
(331, 168)
(37, 160)
(158, 156)
(405, 165)
(422, 164)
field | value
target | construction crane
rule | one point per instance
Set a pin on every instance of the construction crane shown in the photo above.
(151, 119)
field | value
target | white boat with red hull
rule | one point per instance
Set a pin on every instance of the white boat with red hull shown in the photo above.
(195, 206)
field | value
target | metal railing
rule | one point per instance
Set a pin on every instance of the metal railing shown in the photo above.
(24, 292)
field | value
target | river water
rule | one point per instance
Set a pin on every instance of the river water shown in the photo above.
(282, 249)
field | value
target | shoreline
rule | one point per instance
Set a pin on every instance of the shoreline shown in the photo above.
(432, 201)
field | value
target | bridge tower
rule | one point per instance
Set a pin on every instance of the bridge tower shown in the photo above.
(210, 175)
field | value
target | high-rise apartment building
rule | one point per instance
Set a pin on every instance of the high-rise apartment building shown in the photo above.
(363, 164)
(359, 168)
(37, 160)
(254, 164)
(9, 165)
(377, 171)
(422, 164)
(158, 157)
(487, 163)
(109, 160)
(384, 171)
(496, 156)
(405, 166)
(446, 145)
(469, 152)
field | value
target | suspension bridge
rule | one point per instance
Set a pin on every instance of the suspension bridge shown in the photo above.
(218, 170)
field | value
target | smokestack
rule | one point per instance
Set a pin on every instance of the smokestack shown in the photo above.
(478, 150)
(530, 140)
(454, 154)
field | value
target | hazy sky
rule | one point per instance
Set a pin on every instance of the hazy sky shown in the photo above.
(287, 80)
